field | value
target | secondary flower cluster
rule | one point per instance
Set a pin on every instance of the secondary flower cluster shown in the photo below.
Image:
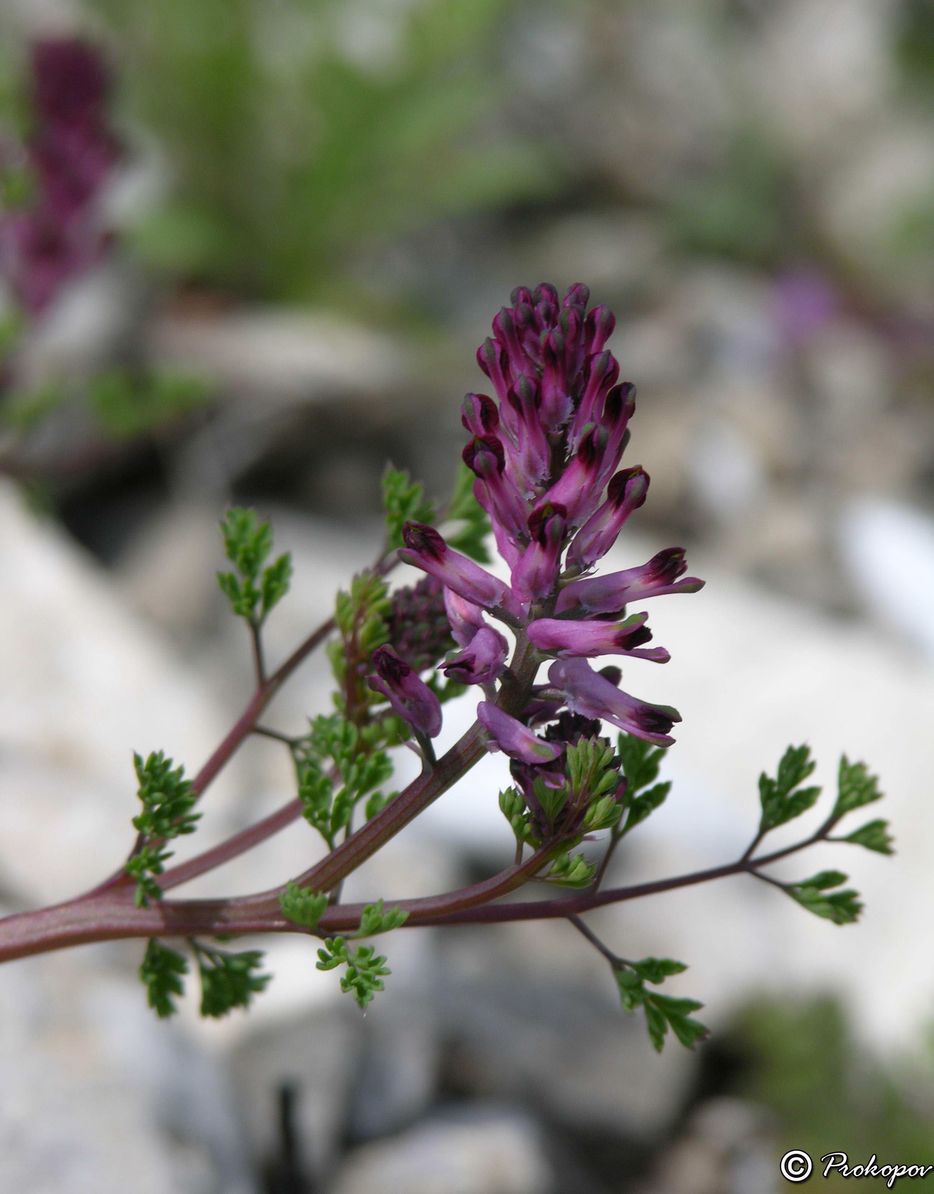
(546, 453)
(67, 159)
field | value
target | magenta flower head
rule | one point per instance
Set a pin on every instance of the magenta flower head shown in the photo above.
(545, 450)
(410, 696)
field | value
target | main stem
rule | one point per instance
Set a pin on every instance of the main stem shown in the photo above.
(112, 915)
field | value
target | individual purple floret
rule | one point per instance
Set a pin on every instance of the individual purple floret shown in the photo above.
(410, 696)
(69, 156)
(546, 452)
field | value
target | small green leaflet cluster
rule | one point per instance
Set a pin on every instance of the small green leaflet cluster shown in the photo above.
(589, 801)
(403, 501)
(228, 979)
(364, 968)
(167, 799)
(337, 766)
(661, 1011)
(255, 587)
(302, 906)
(360, 617)
(163, 975)
(640, 763)
(784, 797)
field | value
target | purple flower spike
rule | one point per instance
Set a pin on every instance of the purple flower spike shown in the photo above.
(482, 661)
(611, 593)
(626, 492)
(563, 637)
(592, 695)
(409, 696)
(512, 737)
(68, 155)
(426, 549)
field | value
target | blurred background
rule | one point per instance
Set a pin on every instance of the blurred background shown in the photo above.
(247, 252)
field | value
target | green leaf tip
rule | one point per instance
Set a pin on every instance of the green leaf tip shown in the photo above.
(168, 799)
(365, 969)
(228, 980)
(817, 895)
(855, 787)
(874, 835)
(377, 918)
(253, 589)
(303, 906)
(782, 797)
(162, 972)
(662, 1012)
(403, 501)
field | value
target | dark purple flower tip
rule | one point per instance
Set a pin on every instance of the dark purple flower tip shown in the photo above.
(484, 455)
(521, 295)
(626, 492)
(546, 523)
(611, 593)
(544, 292)
(619, 405)
(417, 536)
(479, 414)
(409, 696)
(591, 694)
(629, 487)
(482, 661)
(513, 738)
(426, 549)
(599, 326)
(578, 295)
(566, 638)
(570, 324)
(524, 398)
(70, 80)
(490, 358)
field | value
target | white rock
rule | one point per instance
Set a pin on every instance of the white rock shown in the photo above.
(287, 356)
(820, 68)
(888, 549)
(100, 1097)
(485, 1151)
(85, 684)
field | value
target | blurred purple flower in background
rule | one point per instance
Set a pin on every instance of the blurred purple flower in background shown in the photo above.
(69, 155)
(805, 302)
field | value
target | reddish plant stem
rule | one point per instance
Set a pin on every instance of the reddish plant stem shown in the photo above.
(112, 915)
(238, 733)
